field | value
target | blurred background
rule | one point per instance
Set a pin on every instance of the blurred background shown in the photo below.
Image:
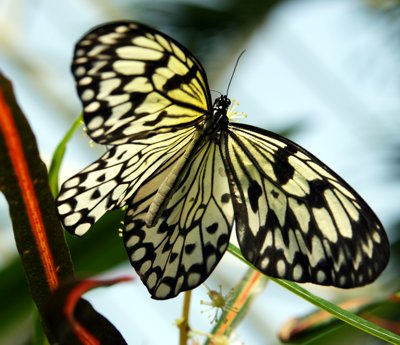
(323, 72)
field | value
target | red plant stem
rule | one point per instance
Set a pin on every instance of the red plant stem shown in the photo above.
(21, 170)
(73, 297)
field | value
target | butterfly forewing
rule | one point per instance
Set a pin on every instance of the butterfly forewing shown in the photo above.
(191, 235)
(296, 219)
(137, 83)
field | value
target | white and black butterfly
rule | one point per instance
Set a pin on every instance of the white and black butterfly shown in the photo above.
(187, 175)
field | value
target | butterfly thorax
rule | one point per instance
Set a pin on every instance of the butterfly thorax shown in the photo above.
(221, 104)
(219, 119)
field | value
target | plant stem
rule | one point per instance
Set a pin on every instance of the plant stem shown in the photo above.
(184, 324)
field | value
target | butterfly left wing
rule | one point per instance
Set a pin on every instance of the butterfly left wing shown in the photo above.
(192, 233)
(142, 93)
(137, 83)
(296, 219)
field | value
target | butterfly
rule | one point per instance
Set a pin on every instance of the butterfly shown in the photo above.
(187, 175)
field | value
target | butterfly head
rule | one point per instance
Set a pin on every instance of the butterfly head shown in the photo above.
(219, 118)
(221, 104)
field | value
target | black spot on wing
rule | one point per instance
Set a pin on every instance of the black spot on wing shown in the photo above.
(189, 248)
(254, 191)
(95, 195)
(166, 247)
(173, 257)
(283, 170)
(223, 241)
(163, 228)
(211, 229)
(225, 198)
(317, 189)
(274, 193)
(101, 178)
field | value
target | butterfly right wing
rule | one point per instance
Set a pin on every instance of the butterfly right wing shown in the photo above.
(295, 218)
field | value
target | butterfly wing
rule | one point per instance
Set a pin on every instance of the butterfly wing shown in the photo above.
(136, 83)
(142, 91)
(109, 182)
(189, 238)
(296, 219)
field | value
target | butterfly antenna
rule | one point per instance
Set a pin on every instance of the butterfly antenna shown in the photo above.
(216, 91)
(234, 69)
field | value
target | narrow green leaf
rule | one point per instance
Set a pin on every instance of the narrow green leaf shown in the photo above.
(58, 156)
(383, 312)
(345, 316)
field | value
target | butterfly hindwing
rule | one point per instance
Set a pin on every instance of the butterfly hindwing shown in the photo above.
(296, 219)
(189, 238)
(136, 83)
(111, 181)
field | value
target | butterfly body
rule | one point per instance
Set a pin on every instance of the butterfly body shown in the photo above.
(206, 130)
(219, 120)
(187, 174)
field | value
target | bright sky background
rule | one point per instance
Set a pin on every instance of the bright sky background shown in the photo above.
(316, 62)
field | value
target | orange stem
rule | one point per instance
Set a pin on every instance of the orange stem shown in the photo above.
(16, 152)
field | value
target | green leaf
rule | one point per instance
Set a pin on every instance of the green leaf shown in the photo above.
(320, 324)
(59, 155)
